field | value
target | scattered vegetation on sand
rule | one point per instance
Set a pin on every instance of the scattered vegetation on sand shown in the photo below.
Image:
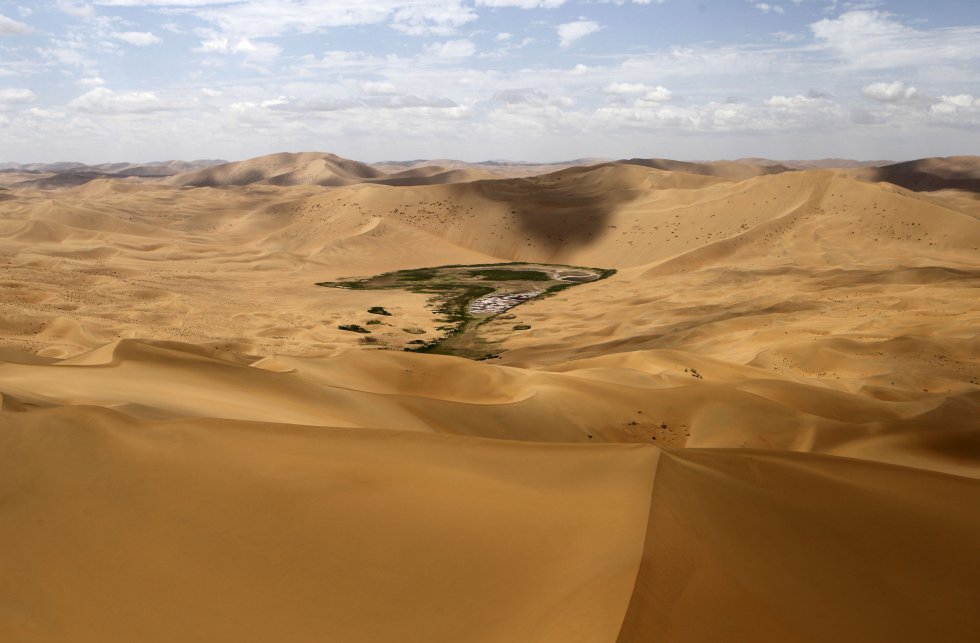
(466, 296)
(354, 328)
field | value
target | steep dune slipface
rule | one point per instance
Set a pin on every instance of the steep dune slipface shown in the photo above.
(197, 450)
(765, 546)
(161, 531)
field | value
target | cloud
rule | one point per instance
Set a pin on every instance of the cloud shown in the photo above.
(77, 9)
(452, 49)
(258, 51)
(9, 26)
(65, 56)
(645, 94)
(269, 18)
(137, 38)
(792, 102)
(531, 97)
(625, 88)
(955, 104)
(896, 92)
(15, 97)
(90, 81)
(105, 101)
(377, 87)
(569, 32)
(521, 4)
(765, 7)
(875, 40)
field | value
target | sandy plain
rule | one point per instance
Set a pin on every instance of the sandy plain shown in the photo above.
(764, 427)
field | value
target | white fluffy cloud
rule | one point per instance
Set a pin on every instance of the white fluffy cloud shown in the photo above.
(105, 101)
(16, 96)
(642, 93)
(521, 4)
(9, 26)
(569, 32)
(256, 51)
(956, 104)
(894, 92)
(137, 38)
(452, 49)
(765, 7)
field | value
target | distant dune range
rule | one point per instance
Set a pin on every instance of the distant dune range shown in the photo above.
(764, 427)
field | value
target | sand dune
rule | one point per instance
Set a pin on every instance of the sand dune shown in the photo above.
(314, 168)
(764, 427)
(932, 174)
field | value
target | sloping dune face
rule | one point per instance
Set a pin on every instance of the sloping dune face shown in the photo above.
(765, 426)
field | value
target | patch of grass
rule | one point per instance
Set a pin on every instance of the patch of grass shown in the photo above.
(414, 331)
(511, 275)
(522, 327)
(354, 328)
(379, 310)
(372, 322)
(418, 274)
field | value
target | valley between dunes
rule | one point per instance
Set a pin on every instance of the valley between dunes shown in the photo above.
(764, 427)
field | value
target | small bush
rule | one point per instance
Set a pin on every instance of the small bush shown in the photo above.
(354, 328)
(522, 327)
(379, 310)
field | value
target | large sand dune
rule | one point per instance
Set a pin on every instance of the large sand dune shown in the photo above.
(764, 427)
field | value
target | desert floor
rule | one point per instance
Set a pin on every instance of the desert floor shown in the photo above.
(764, 427)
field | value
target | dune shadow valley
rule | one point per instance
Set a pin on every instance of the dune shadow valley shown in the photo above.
(303, 398)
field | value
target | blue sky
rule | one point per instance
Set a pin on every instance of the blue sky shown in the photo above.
(535, 80)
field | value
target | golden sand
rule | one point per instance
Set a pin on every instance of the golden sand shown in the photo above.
(764, 427)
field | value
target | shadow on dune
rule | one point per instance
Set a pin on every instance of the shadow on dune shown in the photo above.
(723, 169)
(931, 175)
(570, 207)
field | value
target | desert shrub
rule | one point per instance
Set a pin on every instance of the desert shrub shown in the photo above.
(354, 328)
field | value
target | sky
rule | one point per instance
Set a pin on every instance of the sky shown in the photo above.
(530, 80)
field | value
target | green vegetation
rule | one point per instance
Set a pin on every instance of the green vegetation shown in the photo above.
(511, 275)
(354, 328)
(454, 289)
(372, 322)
